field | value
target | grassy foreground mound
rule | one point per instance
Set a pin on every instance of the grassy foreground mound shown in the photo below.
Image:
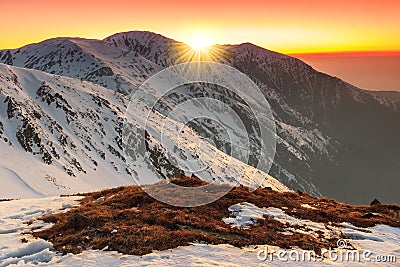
(128, 220)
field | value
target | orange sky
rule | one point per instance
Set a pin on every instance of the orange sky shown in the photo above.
(289, 27)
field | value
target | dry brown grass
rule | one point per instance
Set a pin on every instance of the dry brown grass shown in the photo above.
(144, 224)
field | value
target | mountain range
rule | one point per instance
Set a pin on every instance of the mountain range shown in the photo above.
(62, 121)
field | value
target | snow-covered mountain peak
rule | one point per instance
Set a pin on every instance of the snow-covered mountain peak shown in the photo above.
(155, 47)
(142, 37)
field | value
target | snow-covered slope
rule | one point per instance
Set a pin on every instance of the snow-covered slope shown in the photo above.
(62, 135)
(14, 186)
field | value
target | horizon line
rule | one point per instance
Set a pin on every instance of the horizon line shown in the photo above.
(350, 53)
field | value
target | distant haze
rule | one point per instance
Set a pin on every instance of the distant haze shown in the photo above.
(371, 71)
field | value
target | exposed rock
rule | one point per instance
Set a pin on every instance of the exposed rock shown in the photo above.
(375, 202)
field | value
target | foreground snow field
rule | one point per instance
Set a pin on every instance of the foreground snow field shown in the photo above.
(24, 250)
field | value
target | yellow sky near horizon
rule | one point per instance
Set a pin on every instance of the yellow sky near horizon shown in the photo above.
(287, 26)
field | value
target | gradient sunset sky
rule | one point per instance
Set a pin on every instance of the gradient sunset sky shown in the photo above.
(284, 26)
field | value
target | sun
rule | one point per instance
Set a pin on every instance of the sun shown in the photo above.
(200, 46)
(200, 42)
